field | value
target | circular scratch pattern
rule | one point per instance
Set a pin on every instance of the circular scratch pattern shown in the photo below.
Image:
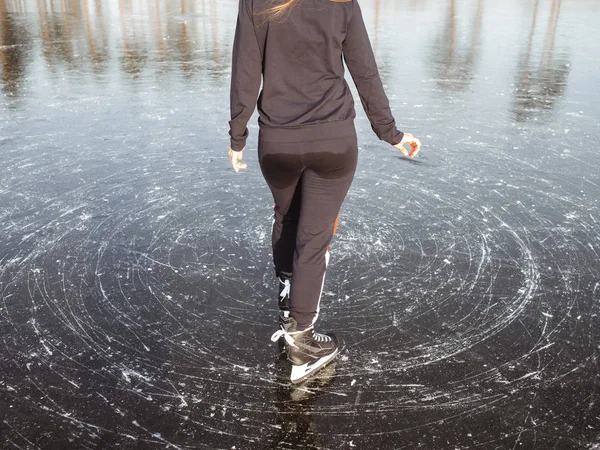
(137, 296)
(137, 309)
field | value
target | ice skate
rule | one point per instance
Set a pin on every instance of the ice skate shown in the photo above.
(307, 350)
(309, 389)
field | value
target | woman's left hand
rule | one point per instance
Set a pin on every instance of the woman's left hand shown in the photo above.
(236, 159)
(414, 143)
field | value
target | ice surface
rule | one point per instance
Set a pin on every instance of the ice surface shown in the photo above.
(137, 296)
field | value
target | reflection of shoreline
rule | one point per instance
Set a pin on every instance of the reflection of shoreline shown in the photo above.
(454, 62)
(14, 45)
(538, 86)
(78, 36)
(134, 55)
(191, 39)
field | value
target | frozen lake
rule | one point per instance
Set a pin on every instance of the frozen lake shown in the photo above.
(137, 297)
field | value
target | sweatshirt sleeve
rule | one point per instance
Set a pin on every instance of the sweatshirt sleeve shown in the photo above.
(360, 60)
(246, 72)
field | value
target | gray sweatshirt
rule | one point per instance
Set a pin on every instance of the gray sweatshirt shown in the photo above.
(304, 94)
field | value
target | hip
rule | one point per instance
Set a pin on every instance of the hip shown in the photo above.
(307, 133)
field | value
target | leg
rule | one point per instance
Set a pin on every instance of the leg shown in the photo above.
(285, 227)
(282, 167)
(325, 182)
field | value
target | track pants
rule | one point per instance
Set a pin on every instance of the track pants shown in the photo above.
(309, 182)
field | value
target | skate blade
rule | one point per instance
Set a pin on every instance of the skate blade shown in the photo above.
(303, 371)
(315, 385)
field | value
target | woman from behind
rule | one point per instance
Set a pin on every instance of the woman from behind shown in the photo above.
(307, 142)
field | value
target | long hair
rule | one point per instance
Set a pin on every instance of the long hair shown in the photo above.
(278, 11)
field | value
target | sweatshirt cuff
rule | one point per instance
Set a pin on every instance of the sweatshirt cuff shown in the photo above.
(237, 146)
(396, 139)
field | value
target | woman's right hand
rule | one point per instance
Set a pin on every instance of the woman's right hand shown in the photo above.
(414, 143)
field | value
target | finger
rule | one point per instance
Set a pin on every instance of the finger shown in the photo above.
(414, 150)
(403, 151)
(239, 163)
(416, 147)
(233, 159)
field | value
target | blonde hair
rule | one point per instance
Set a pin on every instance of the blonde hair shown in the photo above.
(278, 11)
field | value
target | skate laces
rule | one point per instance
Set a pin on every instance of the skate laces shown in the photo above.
(321, 337)
(286, 289)
(290, 340)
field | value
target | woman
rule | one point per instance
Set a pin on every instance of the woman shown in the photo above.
(307, 142)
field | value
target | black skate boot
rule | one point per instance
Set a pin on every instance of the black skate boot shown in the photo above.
(307, 350)
(285, 279)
